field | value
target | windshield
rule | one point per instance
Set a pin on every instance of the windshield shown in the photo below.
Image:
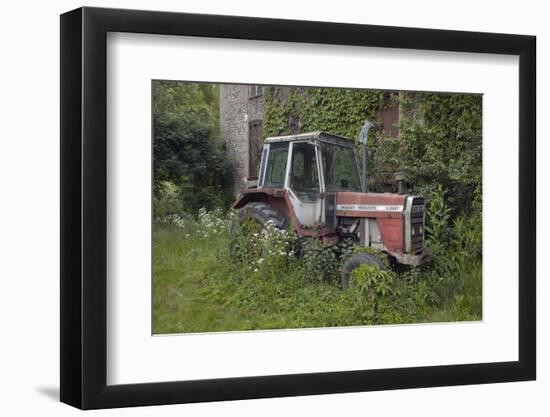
(340, 168)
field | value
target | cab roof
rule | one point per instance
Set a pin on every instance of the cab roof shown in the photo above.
(319, 135)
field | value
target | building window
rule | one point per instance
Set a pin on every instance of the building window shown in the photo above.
(255, 90)
(389, 118)
(254, 140)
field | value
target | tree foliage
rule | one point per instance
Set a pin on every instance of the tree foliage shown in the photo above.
(188, 151)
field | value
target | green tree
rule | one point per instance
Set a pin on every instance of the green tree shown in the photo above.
(188, 151)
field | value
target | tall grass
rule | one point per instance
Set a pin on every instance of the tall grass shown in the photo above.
(200, 285)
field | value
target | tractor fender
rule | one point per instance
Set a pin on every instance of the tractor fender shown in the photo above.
(271, 196)
(279, 200)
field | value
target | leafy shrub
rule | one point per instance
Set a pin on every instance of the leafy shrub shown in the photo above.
(438, 215)
(188, 151)
(373, 282)
(455, 273)
(322, 262)
(167, 200)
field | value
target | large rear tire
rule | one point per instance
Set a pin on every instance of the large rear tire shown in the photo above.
(357, 260)
(259, 213)
(262, 213)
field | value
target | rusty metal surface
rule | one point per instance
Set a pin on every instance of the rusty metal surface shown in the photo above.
(256, 194)
(301, 230)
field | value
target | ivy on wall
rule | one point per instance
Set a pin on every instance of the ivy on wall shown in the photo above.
(440, 145)
(439, 142)
(338, 111)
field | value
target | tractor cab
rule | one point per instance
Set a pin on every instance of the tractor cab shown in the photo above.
(309, 167)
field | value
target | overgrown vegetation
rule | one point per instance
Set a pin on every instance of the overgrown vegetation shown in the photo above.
(439, 145)
(191, 169)
(268, 278)
(439, 148)
(200, 286)
(339, 111)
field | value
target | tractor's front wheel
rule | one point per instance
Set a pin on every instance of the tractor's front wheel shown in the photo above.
(251, 218)
(356, 261)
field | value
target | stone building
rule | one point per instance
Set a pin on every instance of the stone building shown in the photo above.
(241, 116)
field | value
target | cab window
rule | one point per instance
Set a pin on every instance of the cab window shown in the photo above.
(276, 165)
(304, 177)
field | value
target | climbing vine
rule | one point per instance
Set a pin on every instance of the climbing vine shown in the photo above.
(439, 141)
(338, 111)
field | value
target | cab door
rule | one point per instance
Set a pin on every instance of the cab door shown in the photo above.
(273, 168)
(304, 184)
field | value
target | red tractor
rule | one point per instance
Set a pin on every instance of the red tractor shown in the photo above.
(311, 182)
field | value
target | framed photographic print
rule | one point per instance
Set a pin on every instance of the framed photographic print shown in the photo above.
(255, 208)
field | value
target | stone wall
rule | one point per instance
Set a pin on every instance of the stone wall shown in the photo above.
(237, 110)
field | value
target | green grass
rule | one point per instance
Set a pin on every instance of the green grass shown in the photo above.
(180, 303)
(197, 287)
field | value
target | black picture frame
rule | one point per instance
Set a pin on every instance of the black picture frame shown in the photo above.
(84, 207)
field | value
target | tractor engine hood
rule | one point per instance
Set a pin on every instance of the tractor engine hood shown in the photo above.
(352, 204)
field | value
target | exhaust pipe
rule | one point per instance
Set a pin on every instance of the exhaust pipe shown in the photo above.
(401, 181)
(363, 140)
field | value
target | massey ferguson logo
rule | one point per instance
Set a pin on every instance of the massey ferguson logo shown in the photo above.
(369, 207)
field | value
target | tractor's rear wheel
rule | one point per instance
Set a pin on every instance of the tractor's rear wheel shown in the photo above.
(262, 213)
(356, 261)
(257, 215)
